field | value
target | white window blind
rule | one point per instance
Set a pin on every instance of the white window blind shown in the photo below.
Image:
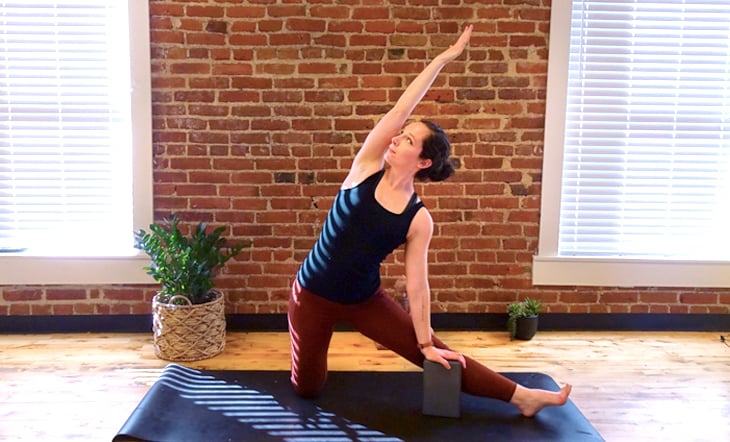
(75, 141)
(636, 166)
(65, 126)
(646, 165)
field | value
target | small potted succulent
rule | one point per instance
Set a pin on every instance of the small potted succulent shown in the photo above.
(522, 319)
(188, 313)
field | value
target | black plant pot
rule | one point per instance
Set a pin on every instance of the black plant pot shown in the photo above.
(526, 328)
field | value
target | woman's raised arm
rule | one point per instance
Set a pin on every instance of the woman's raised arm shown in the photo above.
(370, 156)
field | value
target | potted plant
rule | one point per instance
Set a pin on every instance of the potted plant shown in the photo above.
(522, 320)
(188, 313)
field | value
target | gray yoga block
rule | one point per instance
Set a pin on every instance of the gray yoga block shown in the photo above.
(442, 389)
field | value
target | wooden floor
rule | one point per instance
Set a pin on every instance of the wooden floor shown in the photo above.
(631, 386)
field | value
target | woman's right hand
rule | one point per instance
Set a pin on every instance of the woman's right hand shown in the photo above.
(457, 48)
(442, 356)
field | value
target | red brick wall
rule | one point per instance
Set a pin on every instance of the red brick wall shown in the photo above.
(259, 107)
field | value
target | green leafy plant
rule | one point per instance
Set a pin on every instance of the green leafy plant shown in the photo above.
(524, 309)
(183, 265)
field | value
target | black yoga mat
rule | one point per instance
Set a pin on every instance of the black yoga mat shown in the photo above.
(193, 405)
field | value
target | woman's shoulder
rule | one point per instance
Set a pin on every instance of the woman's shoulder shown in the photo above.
(421, 224)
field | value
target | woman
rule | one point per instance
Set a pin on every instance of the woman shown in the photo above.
(375, 211)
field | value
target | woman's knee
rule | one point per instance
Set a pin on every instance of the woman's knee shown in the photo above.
(307, 390)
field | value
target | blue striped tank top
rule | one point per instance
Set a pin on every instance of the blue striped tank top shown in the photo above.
(358, 234)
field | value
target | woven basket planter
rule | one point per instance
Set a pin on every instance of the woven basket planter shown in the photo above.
(188, 332)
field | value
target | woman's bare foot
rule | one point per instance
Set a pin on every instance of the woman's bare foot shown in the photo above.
(529, 400)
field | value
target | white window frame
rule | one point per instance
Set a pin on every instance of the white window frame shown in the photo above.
(551, 269)
(25, 268)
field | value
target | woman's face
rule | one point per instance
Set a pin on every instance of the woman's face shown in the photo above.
(405, 148)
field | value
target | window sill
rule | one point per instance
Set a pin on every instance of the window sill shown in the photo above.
(614, 272)
(28, 269)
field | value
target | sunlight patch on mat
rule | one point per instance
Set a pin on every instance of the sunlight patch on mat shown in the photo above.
(262, 411)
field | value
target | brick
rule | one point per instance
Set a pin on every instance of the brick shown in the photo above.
(450, 13)
(302, 24)
(210, 203)
(55, 294)
(339, 12)
(83, 309)
(22, 294)
(620, 297)
(371, 13)
(282, 96)
(63, 309)
(162, 36)
(579, 297)
(317, 68)
(516, 27)
(204, 11)
(166, 9)
(698, 298)
(41, 309)
(121, 294)
(232, 69)
(289, 39)
(368, 40)
(524, 40)
(190, 68)
(248, 40)
(346, 26)
(659, 298)
(367, 68)
(208, 110)
(286, 10)
(245, 12)
(639, 309)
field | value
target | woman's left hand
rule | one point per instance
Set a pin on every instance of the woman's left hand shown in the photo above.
(457, 48)
(443, 356)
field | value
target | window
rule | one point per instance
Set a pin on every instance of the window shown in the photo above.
(75, 140)
(636, 174)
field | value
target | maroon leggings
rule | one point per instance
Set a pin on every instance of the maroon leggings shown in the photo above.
(312, 320)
